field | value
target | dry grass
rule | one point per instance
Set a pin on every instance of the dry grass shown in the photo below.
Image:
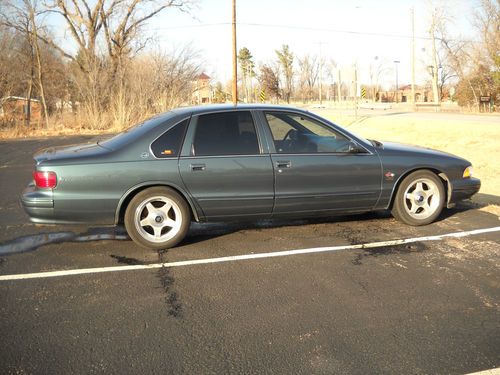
(65, 125)
(473, 140)
(19, 133)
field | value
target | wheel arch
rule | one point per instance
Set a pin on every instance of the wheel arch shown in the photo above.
(132, 192)
(444, 178)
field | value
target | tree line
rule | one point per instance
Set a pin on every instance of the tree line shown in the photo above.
(108, 75)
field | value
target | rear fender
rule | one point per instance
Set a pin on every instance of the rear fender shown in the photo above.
(130, 193)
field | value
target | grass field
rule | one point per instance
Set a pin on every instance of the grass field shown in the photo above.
(476, 141)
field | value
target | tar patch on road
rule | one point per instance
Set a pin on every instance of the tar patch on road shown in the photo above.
(415, 247)
(126, 260)
(164, 274)
(167, 281)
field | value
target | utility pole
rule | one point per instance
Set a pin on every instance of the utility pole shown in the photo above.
(396, 91)
(434, 72)
(320, 74)
(412, 12)
(235, 61)
(355, 91)
(339, 86)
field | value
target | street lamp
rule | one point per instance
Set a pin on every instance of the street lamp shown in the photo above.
(396, 62)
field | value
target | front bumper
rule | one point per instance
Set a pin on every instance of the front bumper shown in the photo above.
(464, 189)
(38, 204)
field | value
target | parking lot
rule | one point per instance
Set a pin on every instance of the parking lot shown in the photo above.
(345, 295)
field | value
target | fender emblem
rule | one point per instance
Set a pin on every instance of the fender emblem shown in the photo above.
(145, 155)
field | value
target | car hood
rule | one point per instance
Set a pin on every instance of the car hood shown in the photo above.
(399, 148)
(69, 152)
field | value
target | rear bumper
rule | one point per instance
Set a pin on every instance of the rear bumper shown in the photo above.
(464, 189)
(38, 204)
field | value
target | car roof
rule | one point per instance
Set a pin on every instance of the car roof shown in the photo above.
(200, 109)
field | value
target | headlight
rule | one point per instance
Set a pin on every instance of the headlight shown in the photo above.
(468, 172)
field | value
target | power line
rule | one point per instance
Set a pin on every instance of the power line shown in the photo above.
(307, 28)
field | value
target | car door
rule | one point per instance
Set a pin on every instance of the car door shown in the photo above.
(224, 168)
(318, 168)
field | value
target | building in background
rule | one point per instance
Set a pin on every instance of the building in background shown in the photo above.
(15, 109)
(202, 92)
(403, 95)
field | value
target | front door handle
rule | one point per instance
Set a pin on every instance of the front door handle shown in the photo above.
(198, 167)
(283, 164)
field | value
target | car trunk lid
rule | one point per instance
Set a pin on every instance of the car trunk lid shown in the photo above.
(69, 152)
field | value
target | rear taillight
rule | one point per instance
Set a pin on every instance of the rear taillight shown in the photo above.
(45, 180)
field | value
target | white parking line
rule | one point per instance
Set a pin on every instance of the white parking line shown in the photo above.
(371, 245)
(494, 371)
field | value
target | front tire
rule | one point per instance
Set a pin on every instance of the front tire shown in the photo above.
(157, 218)
(419, 199)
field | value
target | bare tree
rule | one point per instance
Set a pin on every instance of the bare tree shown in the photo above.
(378, 68)
(285, 61)
(25, 17)
(118, 23)
(309, 71)
(32, 11)
(269, 81)
(436, 22)
(446, 75)
(487, 22)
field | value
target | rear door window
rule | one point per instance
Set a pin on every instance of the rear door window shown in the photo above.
(226, 133)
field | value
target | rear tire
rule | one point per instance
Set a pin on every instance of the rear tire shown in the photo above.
(419, 199)
(157, 218)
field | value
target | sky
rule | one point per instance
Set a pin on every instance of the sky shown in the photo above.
(362, 32)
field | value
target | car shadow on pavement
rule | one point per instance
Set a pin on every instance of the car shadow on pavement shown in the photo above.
(207, 231)
(486, 199)
(32, 242)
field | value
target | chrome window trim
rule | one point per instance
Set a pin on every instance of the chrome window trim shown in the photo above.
(367, 153)
(224, 156)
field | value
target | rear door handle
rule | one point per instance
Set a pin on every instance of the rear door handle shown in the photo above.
(283, 164)
(198, 167)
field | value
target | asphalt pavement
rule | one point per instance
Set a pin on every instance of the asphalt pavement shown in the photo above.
(429, 306)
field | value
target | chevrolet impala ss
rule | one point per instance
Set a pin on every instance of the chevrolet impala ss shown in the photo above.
(216, 163)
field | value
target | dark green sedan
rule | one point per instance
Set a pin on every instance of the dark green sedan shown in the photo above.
(215, 163)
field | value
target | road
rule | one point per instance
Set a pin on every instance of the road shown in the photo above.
(428, 306)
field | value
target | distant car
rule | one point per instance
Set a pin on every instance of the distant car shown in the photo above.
(217, 163)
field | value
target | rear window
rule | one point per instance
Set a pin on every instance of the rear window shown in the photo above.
(169, 143)
(136, 131)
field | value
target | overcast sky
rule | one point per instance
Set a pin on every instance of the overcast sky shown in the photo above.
(357, 31)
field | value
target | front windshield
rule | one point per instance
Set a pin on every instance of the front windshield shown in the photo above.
(135, 131)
